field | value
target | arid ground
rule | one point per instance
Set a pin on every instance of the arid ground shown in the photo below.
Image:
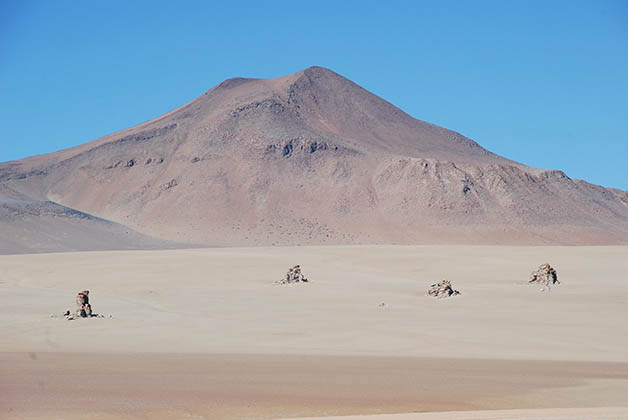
(205, 334)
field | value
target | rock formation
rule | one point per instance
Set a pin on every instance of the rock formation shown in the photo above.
(544, 275)
(293, 275)
(442, 289)
(83, 308)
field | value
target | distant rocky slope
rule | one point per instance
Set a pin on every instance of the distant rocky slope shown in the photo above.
(313, 158)
(44, 226)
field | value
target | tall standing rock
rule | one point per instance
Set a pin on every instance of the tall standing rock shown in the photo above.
(84, 309)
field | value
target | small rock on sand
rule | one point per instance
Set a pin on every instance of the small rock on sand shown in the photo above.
(294, 275)
(442, 289)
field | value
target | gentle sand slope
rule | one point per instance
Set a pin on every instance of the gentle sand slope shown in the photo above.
(602, 413)
(205, 334)
(174, 386)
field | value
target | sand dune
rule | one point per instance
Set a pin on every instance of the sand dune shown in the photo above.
(203, 333)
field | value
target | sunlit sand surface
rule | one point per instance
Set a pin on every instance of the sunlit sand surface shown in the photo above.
(206, 334)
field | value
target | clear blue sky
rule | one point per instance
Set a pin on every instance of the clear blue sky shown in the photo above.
(541, 82)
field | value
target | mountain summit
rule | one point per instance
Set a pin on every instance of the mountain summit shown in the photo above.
(311, 158)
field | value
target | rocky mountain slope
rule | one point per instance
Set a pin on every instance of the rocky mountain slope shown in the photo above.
(313, 158)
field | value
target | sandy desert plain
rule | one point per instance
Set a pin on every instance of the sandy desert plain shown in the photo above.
(205, 334)
(307, 168)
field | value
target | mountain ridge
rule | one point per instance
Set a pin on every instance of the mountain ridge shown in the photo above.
(313, 158)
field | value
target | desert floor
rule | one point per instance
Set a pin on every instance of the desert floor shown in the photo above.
(205, 334)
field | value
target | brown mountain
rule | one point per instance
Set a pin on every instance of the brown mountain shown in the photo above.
(312, 158)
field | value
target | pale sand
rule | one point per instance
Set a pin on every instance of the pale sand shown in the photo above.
(167, 386)
(604, 413)
(205, 333)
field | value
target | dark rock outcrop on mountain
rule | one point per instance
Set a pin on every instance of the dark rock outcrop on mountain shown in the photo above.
(313, 158)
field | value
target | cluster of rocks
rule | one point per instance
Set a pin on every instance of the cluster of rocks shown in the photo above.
(544, 275)
(442, 289)
(294, 275)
